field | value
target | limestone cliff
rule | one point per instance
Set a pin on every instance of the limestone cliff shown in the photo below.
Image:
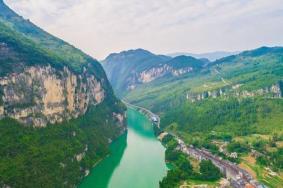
(44, 79)
(46, 82)
(42, 94)
(154, 73)
(273, 91)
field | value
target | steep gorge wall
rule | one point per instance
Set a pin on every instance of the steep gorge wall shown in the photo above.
(42, 94)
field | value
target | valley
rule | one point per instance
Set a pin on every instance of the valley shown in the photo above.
(231, 107)
(139, 119)
(136, 158)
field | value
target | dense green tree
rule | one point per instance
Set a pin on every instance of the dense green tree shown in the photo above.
(237, 147)
(171, 180)
(209, 171)
(45, 157)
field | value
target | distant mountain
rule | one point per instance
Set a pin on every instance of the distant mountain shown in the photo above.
(248, 73)
(128, 69)
(212, 56)
(233, 101)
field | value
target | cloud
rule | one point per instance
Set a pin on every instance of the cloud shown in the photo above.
(100, 27)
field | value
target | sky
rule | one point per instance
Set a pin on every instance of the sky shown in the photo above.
(101, 27)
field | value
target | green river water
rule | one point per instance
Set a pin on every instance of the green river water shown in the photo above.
(136, 159)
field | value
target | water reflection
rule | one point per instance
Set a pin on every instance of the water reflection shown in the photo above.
(137, 159)
(102, 173)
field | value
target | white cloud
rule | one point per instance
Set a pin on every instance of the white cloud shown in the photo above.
(100, 27)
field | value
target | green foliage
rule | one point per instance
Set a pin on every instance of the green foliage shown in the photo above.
(172, 155)
(238, 147)
(119, 67)
(122, 68)
(224, 119)
(46, 157)
(252, 72)
(185, 167)
(209, 171)
(32, 157)
(168, 138)
(273, 159)
(51, 45)
(262, 160)
(28, 44)
(171, 181)
(230, 116)
(208, 114)
(183, 170)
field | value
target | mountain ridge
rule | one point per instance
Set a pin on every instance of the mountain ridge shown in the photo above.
(128, 69)
(212, 56)
(58, 111)
(231, 107)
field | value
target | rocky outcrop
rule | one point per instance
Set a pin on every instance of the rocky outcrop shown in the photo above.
(42, 94)
(154, 73)
(273, 91)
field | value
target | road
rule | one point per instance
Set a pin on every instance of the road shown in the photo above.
(153, 117)
(238, 177)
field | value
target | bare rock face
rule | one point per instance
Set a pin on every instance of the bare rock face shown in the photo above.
(273, 91)
(154, 73)
(157, 72)
(41, 94)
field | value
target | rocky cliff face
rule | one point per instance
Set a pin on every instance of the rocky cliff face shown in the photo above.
(43, 81)
(273, 91)
(154, 73)
(157, 72)
(42, 94)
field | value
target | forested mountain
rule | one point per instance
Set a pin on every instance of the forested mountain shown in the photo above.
(231, 106)
(256, 72)
(58, 111)
(129, 69)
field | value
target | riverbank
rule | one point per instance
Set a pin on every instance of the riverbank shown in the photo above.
(149, 114)
(135, 158)
(235, 176)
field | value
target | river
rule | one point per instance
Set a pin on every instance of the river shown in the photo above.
(136, 159)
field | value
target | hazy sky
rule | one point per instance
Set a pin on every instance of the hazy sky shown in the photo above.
(100, 27)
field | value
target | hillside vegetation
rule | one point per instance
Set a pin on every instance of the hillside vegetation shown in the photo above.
(130, 69)
(232, 107)
(247, 72)
(58, 155)
(61, 153)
